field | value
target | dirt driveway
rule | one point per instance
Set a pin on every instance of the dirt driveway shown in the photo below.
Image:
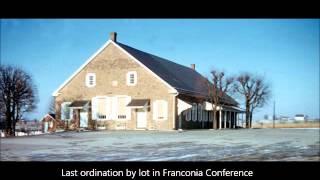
(200, 145)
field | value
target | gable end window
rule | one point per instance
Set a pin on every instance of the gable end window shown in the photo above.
(90, 79)
(132, 78)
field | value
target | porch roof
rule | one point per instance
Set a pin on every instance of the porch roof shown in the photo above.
(78, 104)
(139, 103)
(208, 107)
(233, 108)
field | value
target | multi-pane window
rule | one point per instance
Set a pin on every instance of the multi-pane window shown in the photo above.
(90, 79)
(188, 114)
(210, 116)
(66, 111)
(194, 112)
(131, 78)
(205, 116)
(199, 112)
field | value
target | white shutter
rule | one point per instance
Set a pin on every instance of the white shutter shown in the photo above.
(94, 108)
(114, 108)
(188, 115)
(163, 105)
(109, 107)
(165, 109)
(63, 108)
(155, 110)
(128, 110)
(199, 112)
(65, 111)
(194, 112)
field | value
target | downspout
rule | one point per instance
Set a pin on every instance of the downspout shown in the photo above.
(175, 110)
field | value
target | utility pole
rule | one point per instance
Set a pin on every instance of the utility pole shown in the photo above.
(274, 113)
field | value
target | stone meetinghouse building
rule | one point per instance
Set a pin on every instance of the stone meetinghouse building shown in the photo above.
(120, 87)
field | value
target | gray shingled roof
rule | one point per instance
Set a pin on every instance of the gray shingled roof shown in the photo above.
(184, 79)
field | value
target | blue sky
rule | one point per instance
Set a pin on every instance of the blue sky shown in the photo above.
(285, 52)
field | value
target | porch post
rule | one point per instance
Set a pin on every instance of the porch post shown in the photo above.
(230, 120)
(237, 119)
(220, 118)
(180, 121)
(234, 120)
(242, 119)
(224, 119)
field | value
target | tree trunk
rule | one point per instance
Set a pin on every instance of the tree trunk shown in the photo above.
(8, 126)
(251, 119)
(214, 123)
(14, 122)
(8, 122)
(247, 114)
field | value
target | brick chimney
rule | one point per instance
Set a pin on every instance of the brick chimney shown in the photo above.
(193, 66)
(113, 36)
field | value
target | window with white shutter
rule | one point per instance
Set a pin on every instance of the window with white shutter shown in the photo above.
(210, 116)
(66, 111)
(188, 115)
(205, 116)
(94, 112)
(160, 110)
(111, 107)
(101, 108)
(194, 112)
(199, 112)
(123, 112)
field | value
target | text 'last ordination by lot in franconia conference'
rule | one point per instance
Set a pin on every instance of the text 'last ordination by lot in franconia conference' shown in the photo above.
(154, 173)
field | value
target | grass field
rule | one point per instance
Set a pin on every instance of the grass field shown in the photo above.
(288, 125)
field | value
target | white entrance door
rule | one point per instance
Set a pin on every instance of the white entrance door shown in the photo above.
(83, 119)
(141, 119)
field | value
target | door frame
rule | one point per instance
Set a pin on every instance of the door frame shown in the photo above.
(146, 118)
(86, 113)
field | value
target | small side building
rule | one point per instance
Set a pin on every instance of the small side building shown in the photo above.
(49, 123)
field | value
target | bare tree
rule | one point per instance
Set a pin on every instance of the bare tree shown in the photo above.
(262, 95)
(256, 93)
(52, 106)
(218, 87)
(17, 95)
